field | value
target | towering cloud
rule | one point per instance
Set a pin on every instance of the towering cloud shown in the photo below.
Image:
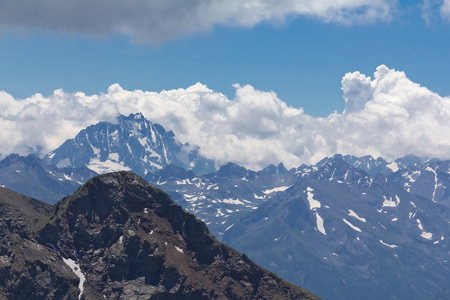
(387, 116)
(394, 117)
(155, 21)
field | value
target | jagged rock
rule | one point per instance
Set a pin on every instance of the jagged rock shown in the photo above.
(29, 270)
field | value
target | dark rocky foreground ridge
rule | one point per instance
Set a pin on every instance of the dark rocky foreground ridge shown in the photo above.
(119, 238)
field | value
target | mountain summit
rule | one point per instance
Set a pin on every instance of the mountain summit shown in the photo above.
(132, 144)
(119, 238)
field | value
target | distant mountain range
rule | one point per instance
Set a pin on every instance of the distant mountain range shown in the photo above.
(368, 236)
(225, 196)
(345, 228)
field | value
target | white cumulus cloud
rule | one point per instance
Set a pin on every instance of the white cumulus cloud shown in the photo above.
(445, 10)
(155, 21)
(398, 117)
(432, 9)
(387, 115)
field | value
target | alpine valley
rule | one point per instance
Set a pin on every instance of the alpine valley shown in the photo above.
(345, 228)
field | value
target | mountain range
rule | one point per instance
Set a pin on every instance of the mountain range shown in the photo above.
(345, 228)
(117, 237)
(367, 237)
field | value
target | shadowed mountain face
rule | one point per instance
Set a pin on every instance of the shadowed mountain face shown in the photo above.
(119, 238)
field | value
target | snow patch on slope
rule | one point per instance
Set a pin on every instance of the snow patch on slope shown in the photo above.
(351, 225)
(107, 166)
(393, 166)
(76, 269)
(277, 189)
(390, 202)
(435, 182)
(313, 203)
(320, 227)
(351, 213)
(391, 246)
(233, 201)
(424, 234)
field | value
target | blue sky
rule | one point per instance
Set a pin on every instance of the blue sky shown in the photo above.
(302, 60)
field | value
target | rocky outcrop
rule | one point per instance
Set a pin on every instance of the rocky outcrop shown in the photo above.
(28, 269)
(119, 238)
